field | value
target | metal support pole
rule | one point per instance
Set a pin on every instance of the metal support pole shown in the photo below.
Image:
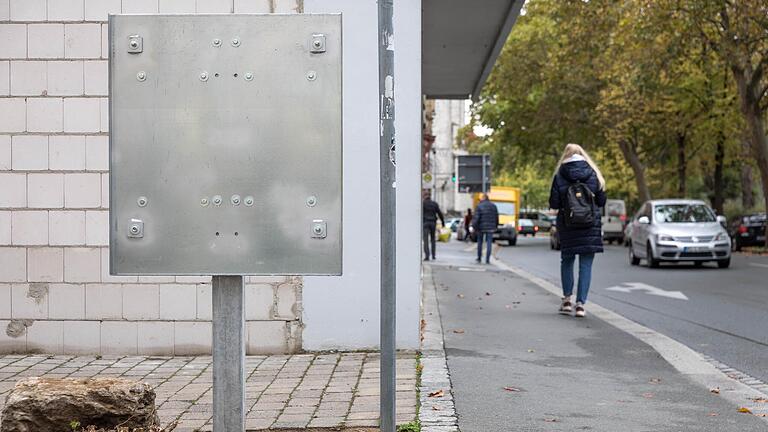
(228, 354)
(387, 207)
(485, 190)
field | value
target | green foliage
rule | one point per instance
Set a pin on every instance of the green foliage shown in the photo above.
(413, 426)
(74, 425)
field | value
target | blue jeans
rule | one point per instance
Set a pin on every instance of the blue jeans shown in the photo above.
(489, 243)
(585, 275)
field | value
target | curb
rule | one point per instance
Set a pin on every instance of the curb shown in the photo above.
(438, 412)
(690, 363)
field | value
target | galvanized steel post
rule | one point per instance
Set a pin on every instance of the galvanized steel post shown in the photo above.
(387, 204)
(228, 354)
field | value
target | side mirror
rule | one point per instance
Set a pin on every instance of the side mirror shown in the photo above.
(644, 220)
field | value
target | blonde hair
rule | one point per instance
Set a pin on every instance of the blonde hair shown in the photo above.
(575, 149)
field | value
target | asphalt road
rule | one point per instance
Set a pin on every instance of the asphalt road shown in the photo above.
(725, 315)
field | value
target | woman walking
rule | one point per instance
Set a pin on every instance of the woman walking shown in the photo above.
(578, 191)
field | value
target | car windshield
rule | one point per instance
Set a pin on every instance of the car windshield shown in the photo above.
(683, 213)
(505, 208)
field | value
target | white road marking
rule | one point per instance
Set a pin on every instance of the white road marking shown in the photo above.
(628, 287)
(759, 265)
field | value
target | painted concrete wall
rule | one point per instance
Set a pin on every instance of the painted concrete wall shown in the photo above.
(343, 312)
(449, 118)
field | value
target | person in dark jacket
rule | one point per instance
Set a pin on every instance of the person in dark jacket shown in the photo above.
(576, 166)
(430, 212)
(485, 222)
(467, 224)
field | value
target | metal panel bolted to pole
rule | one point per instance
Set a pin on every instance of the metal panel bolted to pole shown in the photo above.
(388, 227)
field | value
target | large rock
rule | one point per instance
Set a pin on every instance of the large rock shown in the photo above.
(51, 405)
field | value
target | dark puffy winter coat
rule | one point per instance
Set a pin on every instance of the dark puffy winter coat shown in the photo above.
(574, 241)
(486, 217)
(430, 212)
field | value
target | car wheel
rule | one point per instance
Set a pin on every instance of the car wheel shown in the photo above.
(620, 241)
(512, 242)
(652, 262)
(725, 263)
(633, 260)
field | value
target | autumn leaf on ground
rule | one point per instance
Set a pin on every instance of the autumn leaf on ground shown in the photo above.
(508, 306)
(713, 414)
(655, 381)
(459, 331)
(715, 390)
(512, 389)
(550, 420)
(531, 350)
(759, 400)
(745, 410)
(461, 296)
(438, 393)
(434, 408)
(648, 395)
(487, 293)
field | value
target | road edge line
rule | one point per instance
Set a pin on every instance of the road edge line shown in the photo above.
(684, 359)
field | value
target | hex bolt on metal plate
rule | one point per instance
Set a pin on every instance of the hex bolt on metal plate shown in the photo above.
(319, 229)
(141, 76)
(142, 201)
(235, 200)
(311, 201)
(216, 42)
(204, 202)
(135, 44)
(311, 75)
(136, 228)
(317, 45)
(203, 76)
(248, 201)
(248, 76)
(235, 42)
(217, 200)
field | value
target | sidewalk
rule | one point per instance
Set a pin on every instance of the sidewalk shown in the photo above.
(516, 365)
(302, 391)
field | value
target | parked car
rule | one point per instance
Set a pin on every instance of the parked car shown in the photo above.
(747, 230)
(678, 230)
(527, 227)
(554, 238)
(541, 220)
(614, 218)
(453, 224)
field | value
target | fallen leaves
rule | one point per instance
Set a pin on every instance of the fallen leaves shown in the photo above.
(713, 414)
(745, 410)
(551, 420)
(715, 390)
(648, 395)
(759, 400)
(436, 394)
(487, 293)
(458, 331)
(655, 381)
(531, 350)
(461, 296)
(512, 389)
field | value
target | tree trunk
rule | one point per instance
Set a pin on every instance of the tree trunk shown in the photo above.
(633, 159)
(719, 199)
(747, 192)
(682, 164)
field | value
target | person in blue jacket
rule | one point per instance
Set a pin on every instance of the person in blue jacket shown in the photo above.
(575, 166)
(486, 222)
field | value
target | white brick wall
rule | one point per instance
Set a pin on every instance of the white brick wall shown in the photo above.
(54, 196)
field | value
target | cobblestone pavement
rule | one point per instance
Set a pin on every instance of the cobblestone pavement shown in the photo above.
(282, 391)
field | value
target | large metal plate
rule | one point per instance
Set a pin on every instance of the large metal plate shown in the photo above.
(258, 115)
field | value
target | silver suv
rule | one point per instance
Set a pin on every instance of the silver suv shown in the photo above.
(679, 230)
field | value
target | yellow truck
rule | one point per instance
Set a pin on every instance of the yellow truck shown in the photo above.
(507, 200)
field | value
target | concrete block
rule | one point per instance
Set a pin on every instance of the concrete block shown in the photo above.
(178, 302)
(96, 77)
(287, 6)
(65, 78)
(44, 115)
(156, 279)
(28, 10)
(66, 10)
(29, 228)
(140, 6)
(66, 228)
(13, 190)
(97, 153)
(82, 190)
(46, 337)
(104, 114)
(45, 190)
(97, 228)
(5, 77)
(82, 337)
(14, 37)
(82, 115)
(14, 268)
(266, 337)
(214, 6)
(5, 301)
(45, 265)
(155, 338)
(45, 41)
(141, 302)
(259, 301)
(287, 302)
(119, 337)
(28, 78)
(12, 344)
(193, 279)
(29, 152)
(105, 41)
(176, 6)
(252, 6)
(14, 118)
(103, 301)
(99, 10)
(29, 301)
(204, 302)
(5, 10)
(5, 152)
(106, 277)
(82, 265)
(67, 301)
(5, 229)
(192, 338)
(82, 40)
(66, 152)
(105, 190)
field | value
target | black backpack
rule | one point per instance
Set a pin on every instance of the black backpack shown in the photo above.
(579, 206)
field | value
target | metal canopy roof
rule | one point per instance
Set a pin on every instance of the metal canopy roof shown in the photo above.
(460, 43)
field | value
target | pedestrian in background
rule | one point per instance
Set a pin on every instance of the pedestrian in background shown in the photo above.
(578, 191)
(485, 222)
(467, 224)
(430, 212)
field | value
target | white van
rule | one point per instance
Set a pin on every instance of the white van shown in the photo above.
(614, 218)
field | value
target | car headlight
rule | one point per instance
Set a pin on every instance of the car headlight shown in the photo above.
(666, 238)
(721, 236)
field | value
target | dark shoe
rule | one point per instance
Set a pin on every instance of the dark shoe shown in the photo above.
(426, 259)
(477, 260)
(487, 261)
(433, 258)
